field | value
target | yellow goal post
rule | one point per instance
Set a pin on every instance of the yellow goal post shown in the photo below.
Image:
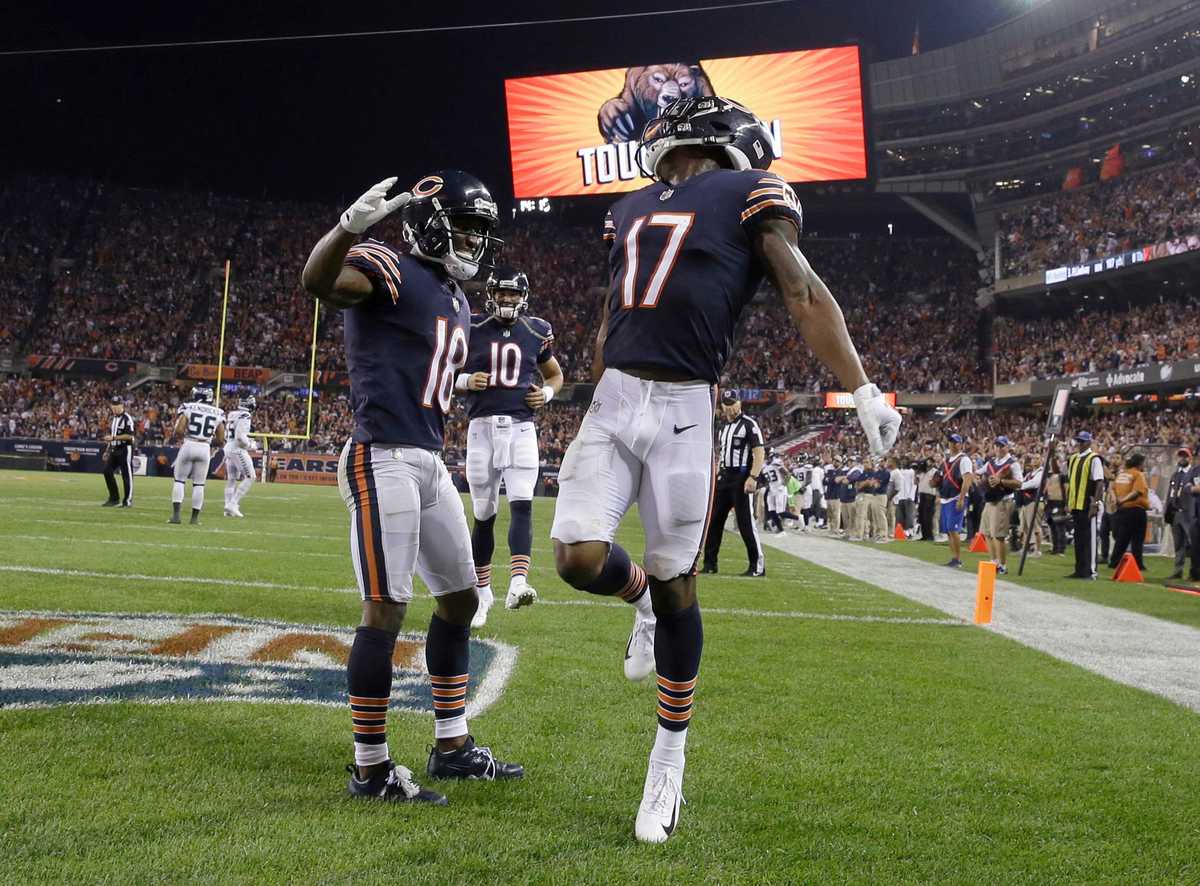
(267, 437)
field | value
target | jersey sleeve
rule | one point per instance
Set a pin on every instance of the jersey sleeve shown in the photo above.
(610, 227)
(546, 350)
(380, 264)
(770, 197)
(756, 437)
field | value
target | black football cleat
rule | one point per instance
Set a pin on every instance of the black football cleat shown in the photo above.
(709, 569)
(392, 785)
(174, 520)
(470, 762)
(750, 573)
(111, 503)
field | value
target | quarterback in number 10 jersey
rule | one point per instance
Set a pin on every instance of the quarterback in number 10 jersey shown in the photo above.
(682, 267)
(510, 353)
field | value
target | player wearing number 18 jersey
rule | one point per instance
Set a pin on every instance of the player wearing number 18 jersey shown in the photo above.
(199, 423)
(510, 372)
(406, 329)
(686, 256)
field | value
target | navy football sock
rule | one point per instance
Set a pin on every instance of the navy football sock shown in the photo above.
(520, 537)
(448, 660)
(620, 577)
(678, 644)
(369, 681)
(483, 545)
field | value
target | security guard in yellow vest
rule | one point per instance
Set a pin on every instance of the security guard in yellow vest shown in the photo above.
(1085, 492)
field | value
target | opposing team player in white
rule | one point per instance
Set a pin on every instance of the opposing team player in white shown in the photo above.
(510, 373)
(776, 474)
(200, 424)
(239, 466)
(686, 256)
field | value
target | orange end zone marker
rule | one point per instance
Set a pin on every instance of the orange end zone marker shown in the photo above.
(978, 544)
(1127, 570)
(985, 592)
(900, 534)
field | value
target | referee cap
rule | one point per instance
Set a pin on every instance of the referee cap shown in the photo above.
(729, 397)
(116, 398)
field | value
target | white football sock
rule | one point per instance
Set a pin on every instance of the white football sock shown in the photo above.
(243, 487)
(668, 746)
(197, 496)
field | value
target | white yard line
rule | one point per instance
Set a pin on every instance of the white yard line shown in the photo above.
(339, 532)
(204, 548)
(606, 604)
(1138, 650)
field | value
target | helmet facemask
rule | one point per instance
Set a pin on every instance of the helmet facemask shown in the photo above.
(437, 239)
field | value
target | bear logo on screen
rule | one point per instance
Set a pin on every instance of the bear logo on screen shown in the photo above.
(647, 91)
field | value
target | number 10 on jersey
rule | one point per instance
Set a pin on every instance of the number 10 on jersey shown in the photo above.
(680, 223)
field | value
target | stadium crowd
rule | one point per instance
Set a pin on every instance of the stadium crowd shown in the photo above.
(1097, 339)
(1161, 205)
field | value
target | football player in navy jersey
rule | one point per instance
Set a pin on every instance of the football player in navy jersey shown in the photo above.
(686, 256)
(510, 372)
(406, 328)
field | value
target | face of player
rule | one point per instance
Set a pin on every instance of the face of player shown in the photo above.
(468, 237)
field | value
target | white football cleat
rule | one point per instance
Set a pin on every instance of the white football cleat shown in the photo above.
(486, 599)
(639, 651)
(662, 796)
(235, 511)
(520, 594)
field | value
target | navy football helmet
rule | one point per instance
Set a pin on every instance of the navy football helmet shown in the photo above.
(507, 280)
(202, 394)
(710, 121)
(248, 403)
(444, 205)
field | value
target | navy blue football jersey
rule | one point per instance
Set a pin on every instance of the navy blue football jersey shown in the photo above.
(510, 354)
(682, 267)
(404, 347)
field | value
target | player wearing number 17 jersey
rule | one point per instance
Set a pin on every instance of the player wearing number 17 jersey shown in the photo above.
(686, 256)
(406, 329)
(200, 423)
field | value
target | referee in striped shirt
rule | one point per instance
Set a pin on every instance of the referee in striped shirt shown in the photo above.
(118, 457)
(740, 444)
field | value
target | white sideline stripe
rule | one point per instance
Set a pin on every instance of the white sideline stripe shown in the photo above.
(269, 585)
(183, 579)
(157, 544)
(1152, 654)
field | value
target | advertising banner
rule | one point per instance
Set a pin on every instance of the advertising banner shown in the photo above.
(576, 134)
(80, 366)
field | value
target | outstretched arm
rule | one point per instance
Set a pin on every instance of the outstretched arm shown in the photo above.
(819, 318)
(812, 307)
(325, 275)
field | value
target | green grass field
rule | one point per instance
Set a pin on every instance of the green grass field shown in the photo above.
(839, 739)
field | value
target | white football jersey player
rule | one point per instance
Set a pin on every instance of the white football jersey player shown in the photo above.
(200, 423)
(239, 466)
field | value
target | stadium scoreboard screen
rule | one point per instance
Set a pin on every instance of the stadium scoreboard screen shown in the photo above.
(577, 134)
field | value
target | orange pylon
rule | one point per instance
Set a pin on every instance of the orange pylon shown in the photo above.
(985, 592)
(1127, 570)
(979, 544)
(900, 534)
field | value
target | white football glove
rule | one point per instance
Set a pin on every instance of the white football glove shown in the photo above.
(880, 422)
(372, 206)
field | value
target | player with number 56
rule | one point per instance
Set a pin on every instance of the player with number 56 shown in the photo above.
(407, 325)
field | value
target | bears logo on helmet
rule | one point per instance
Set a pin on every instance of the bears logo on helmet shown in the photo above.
(449, 221)
(504, 280)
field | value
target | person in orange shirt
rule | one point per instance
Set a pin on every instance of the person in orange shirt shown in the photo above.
(1133, 501)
